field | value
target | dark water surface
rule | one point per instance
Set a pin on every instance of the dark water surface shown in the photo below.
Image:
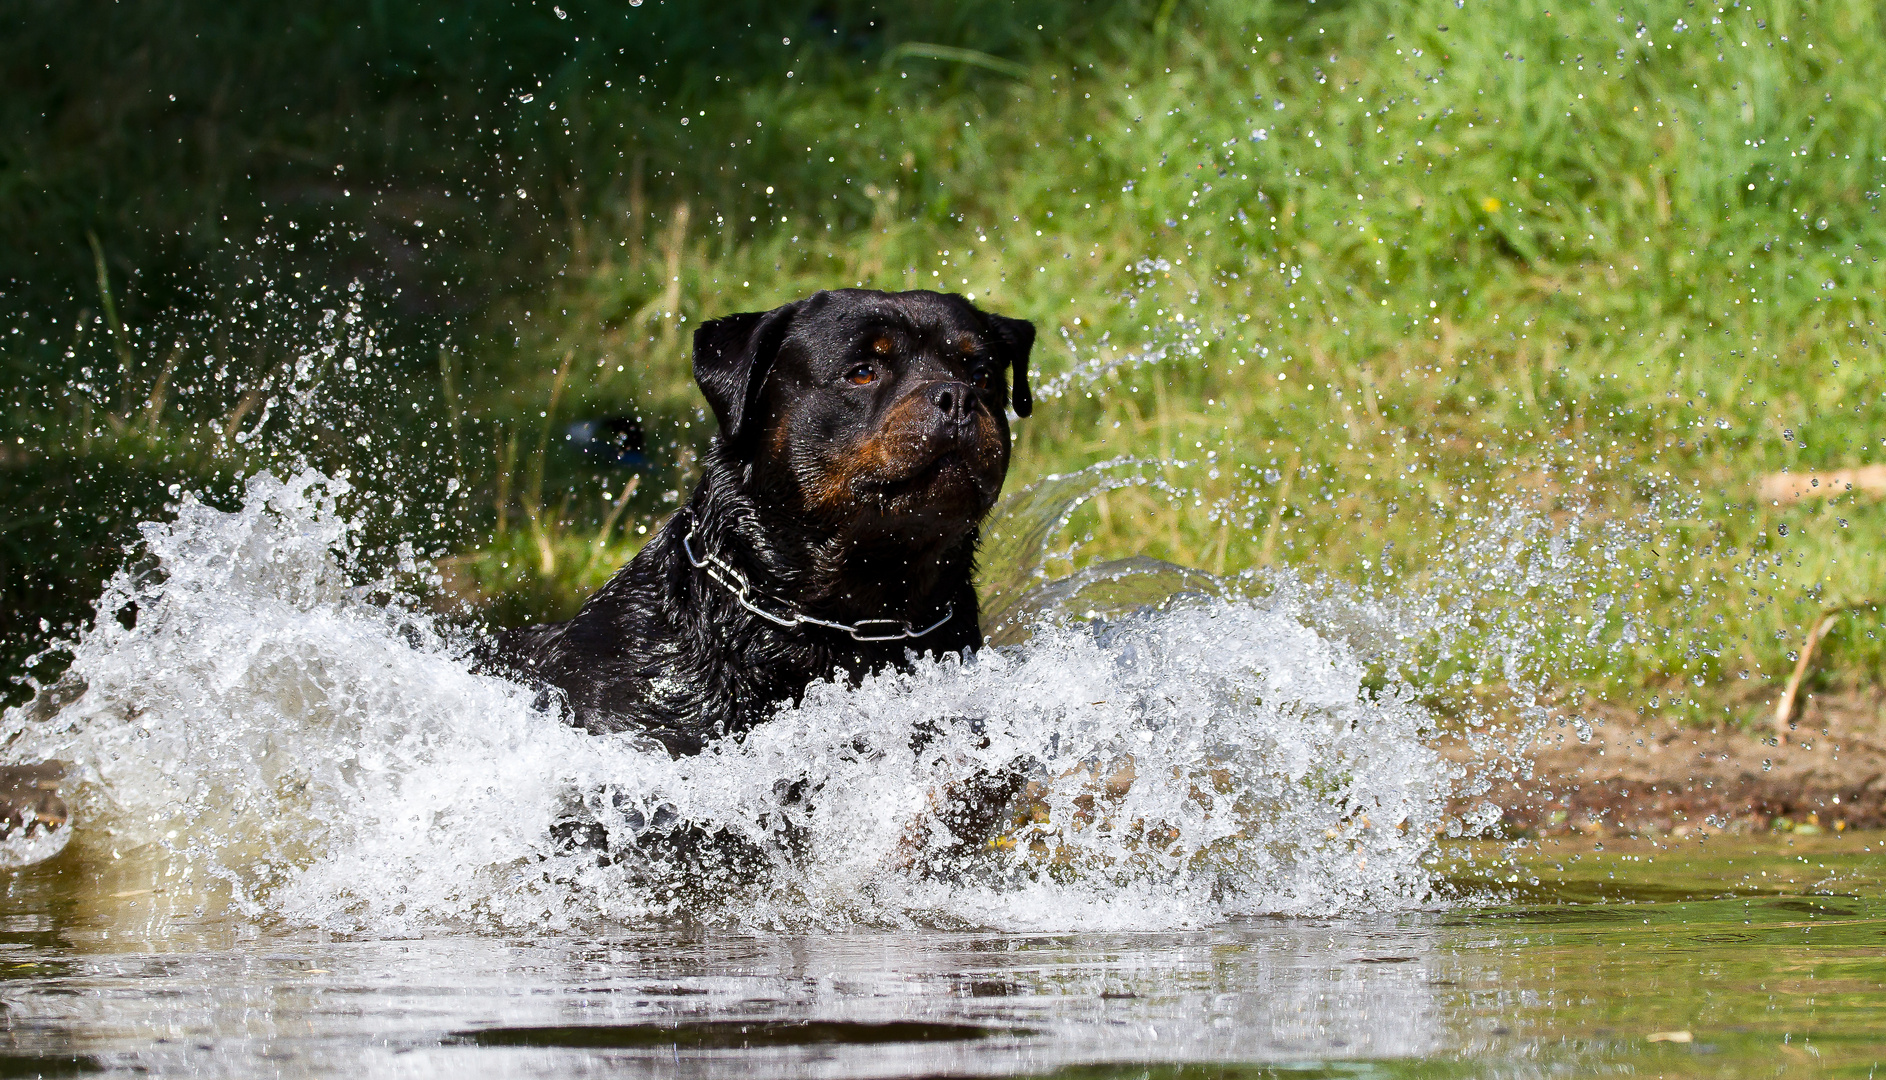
(1730, 957)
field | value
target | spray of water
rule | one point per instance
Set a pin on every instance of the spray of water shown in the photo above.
(272, 730)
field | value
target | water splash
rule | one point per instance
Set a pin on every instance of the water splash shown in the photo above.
(268, 726)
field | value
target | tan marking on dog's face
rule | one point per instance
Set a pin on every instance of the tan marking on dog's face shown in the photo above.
(883, 345)
(873, 455)
(897, 450)
(779, 438)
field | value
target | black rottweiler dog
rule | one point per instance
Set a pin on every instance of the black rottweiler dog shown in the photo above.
(862, 441)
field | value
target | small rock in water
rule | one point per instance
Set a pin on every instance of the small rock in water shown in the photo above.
(1670, 1036)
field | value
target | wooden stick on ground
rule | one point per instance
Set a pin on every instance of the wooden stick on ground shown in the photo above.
(1790, 695)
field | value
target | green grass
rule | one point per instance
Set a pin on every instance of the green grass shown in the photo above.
(1499, 255)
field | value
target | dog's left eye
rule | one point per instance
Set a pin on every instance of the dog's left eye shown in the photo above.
(981, 378)
(862, 375)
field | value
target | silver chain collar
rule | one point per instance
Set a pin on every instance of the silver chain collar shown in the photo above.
(736, 583)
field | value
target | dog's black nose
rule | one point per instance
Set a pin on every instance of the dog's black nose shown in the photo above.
(955, 401)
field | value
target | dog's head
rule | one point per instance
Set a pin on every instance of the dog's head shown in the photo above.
(870, 411)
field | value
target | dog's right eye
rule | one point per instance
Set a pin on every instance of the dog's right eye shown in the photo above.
(862, 375)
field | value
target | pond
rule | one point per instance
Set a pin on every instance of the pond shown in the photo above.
(1729, 957)
(1432, 614)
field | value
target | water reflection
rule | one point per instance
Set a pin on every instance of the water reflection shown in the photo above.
(1726, 973)
(844, 1005)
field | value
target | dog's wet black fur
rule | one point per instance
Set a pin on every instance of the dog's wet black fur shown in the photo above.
(863, 440)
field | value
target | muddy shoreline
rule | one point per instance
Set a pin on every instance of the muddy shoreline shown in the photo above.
(1648, 776)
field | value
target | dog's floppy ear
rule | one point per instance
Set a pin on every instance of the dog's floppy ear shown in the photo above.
(1014, 338)
(731, 358)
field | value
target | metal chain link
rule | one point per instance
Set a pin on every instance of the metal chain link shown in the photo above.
(732, 580)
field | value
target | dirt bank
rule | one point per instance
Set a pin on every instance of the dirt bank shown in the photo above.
(1649, 776)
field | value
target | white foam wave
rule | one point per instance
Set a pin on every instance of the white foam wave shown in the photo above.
(269, 728)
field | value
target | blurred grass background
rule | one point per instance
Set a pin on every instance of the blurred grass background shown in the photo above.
(1357, 278)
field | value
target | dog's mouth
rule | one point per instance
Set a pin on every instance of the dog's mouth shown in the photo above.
(904, 480)
(946, 466)
(947, 481)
